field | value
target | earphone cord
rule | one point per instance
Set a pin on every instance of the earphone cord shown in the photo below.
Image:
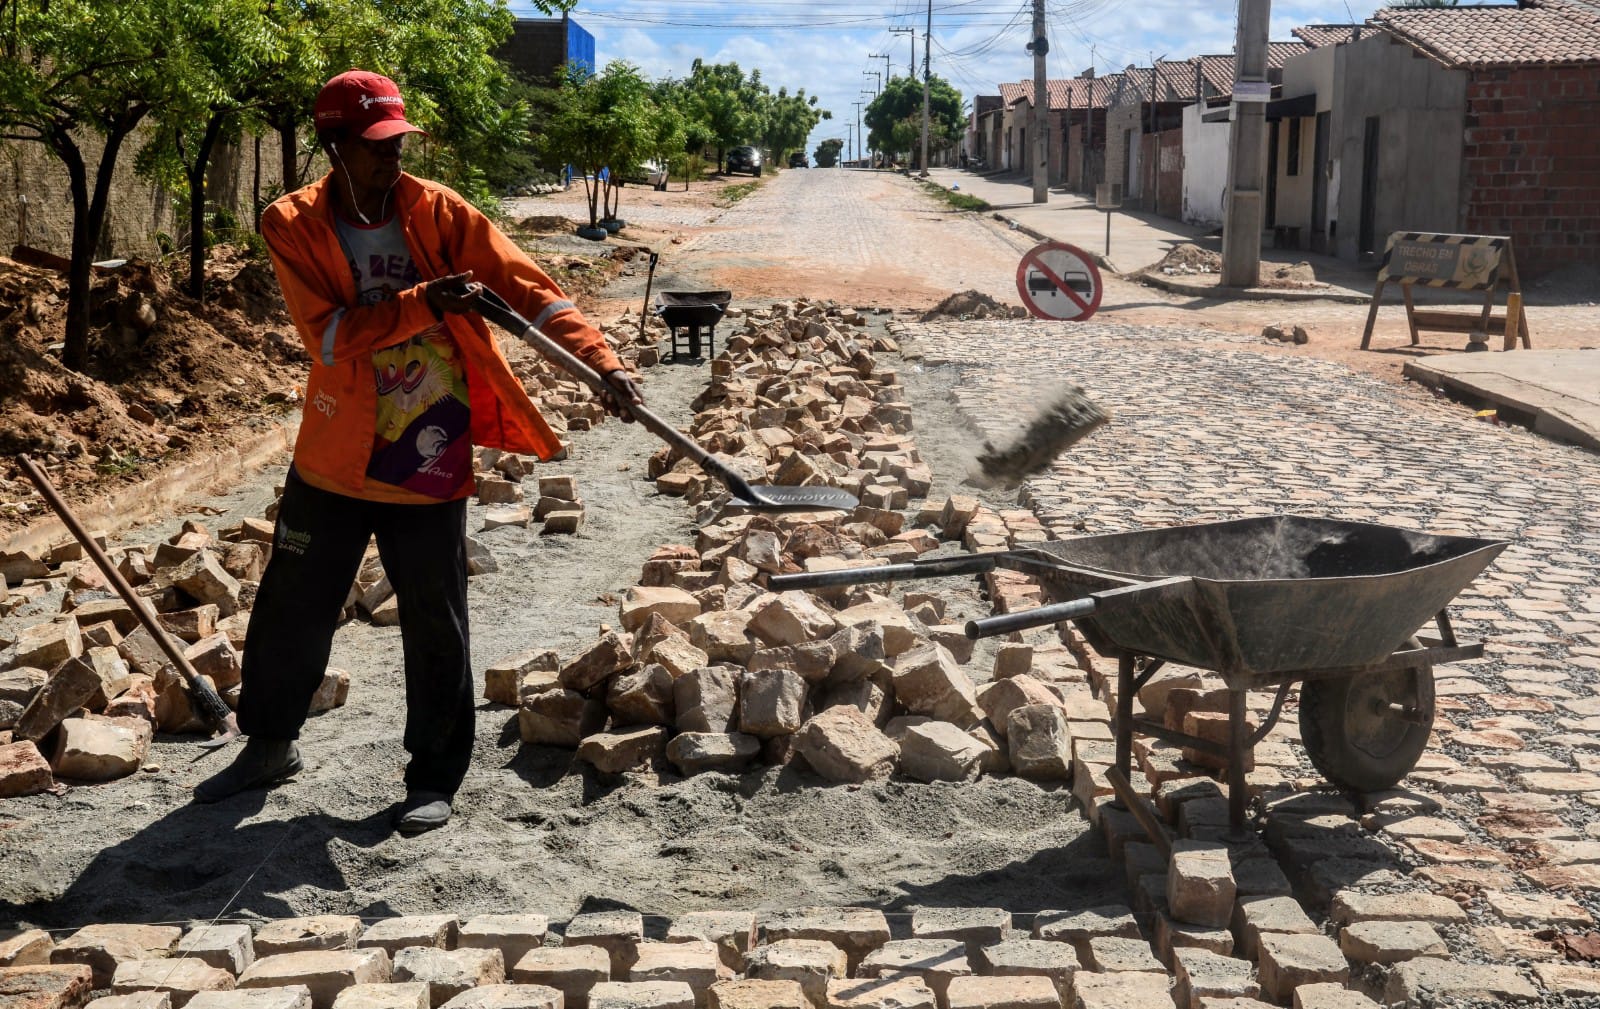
(350, 186)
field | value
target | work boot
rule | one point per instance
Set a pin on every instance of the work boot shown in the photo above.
(261, 764)
(422, 811)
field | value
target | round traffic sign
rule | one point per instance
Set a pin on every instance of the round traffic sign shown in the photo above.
(1059, 281)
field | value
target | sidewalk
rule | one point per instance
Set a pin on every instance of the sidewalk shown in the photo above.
(1140, 239)
(1556, 392)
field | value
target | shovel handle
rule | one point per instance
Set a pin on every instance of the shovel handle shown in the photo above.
(937, 567)
(494, 308)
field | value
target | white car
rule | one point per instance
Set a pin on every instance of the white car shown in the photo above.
(655, 175)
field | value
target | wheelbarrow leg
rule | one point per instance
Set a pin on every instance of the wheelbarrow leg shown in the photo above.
(1124, 727)
(1238, 753)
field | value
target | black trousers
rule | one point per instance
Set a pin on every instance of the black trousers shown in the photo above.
(317, 550)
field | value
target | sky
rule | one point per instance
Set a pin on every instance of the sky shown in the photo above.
(826, 46)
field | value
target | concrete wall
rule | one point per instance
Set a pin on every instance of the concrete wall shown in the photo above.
(1531, 163)
(36, 202)
(1121, 122)
(1205, 167)
(1420, 107)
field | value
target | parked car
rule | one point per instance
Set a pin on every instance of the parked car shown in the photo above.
(744, 159)
(798, 160)
(655, 175)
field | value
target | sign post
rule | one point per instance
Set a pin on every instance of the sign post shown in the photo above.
(1059, 281)
(1458, 262)
(1108, 197)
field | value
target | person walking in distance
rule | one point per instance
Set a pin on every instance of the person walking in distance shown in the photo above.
(380, 271)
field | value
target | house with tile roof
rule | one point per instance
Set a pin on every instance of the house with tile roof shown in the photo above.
(1478, 120)
(1076, 128)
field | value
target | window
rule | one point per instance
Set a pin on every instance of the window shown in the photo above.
(1292, 161)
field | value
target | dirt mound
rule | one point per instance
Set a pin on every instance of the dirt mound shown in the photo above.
(1295, 277)
(972, 305)
(547, 224)
(1188, 260)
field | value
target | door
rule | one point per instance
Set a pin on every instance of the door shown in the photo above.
(1319, 184)
(1369, 191)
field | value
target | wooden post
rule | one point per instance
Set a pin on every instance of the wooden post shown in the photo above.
(1372, 314)
(1513, 320)
(1411, 313)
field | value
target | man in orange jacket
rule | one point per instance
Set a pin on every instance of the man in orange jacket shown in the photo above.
(380, 271)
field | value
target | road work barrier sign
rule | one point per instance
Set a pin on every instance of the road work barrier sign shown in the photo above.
(1457, 262)
(1059, 281)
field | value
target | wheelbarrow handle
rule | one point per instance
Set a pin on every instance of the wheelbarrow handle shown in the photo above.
(494, 308)
(1043, 616)
(935, 567)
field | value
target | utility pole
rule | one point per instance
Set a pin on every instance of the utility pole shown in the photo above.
(911, 68)
(874, 73)
(858, 127)
(886, 73)
(927, 48)
(1041, 107)
(1241, 234)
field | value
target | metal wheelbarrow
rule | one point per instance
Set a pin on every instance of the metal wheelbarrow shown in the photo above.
(1264, 603)
(686, 313)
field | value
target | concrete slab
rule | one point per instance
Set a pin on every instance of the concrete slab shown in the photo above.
(1558, 390)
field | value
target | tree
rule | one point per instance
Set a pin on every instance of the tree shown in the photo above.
(900, 106)
(828, 152)
(599, 123)
(82, 70)
(728, 106)
(790, 119)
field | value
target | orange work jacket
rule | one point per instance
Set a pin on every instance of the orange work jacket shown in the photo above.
(446, 235)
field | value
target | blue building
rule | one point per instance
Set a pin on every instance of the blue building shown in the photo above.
(538, 47)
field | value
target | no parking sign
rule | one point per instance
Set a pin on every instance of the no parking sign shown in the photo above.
(1059, 281)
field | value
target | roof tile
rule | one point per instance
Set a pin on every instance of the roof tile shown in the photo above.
(1544, 33)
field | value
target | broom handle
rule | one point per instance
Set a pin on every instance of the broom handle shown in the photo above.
(211, 705)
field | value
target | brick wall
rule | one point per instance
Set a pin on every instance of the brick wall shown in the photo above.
(1531, 163)
(36, 203)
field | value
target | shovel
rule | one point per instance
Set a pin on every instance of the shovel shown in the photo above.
(745, 495)
(644, 313)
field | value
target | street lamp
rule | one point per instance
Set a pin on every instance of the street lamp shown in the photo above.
(858, 125)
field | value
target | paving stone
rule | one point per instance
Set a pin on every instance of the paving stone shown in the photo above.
(1171, 936)
(624, 748)
(46, 986)
(641, 995)
(25, 949)
(1204, 974)
(1390, 941)
(695, 962)
(1330, 996)
(179, 979)
(1040, 742)
(1078, 927)
(106, 947)
(880, 993)
(135, 1000)
(1120, 991)
(317, 932)
(939, 751)
(1545, 909)
(1350, 906)
(227, 945)
(1507, 944)
(734, 933)
(1200, 886)
(811, 963)
(1110, 954)
(928, 681)
(856, 930)
(616, 932)
(772, 702)
(1260, 877)
(1254, 917)
(843, 744)
(1445, 978)
(572, 970)
(512, 934)
(753, 994)
(1568, 980)
(449, 972)
(978, 927)
(296, 996)
(1288, 961)
(1057, 961)
(325, 973)
(507, 996)
(1022, 991)
(394, 934)
(396, 995)
(935, 961)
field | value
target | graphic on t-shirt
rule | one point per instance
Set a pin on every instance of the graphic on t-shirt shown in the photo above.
(422, 436)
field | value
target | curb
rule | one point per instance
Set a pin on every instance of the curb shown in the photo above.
(1248, 293)
(1550, 422)
(1099, 260)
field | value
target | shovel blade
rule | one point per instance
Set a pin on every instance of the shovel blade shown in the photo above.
(767, 497)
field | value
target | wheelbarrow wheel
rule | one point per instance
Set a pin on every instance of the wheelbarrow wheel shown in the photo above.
(1354, 734)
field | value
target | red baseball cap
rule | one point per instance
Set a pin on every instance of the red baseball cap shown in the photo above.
(366, 104)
